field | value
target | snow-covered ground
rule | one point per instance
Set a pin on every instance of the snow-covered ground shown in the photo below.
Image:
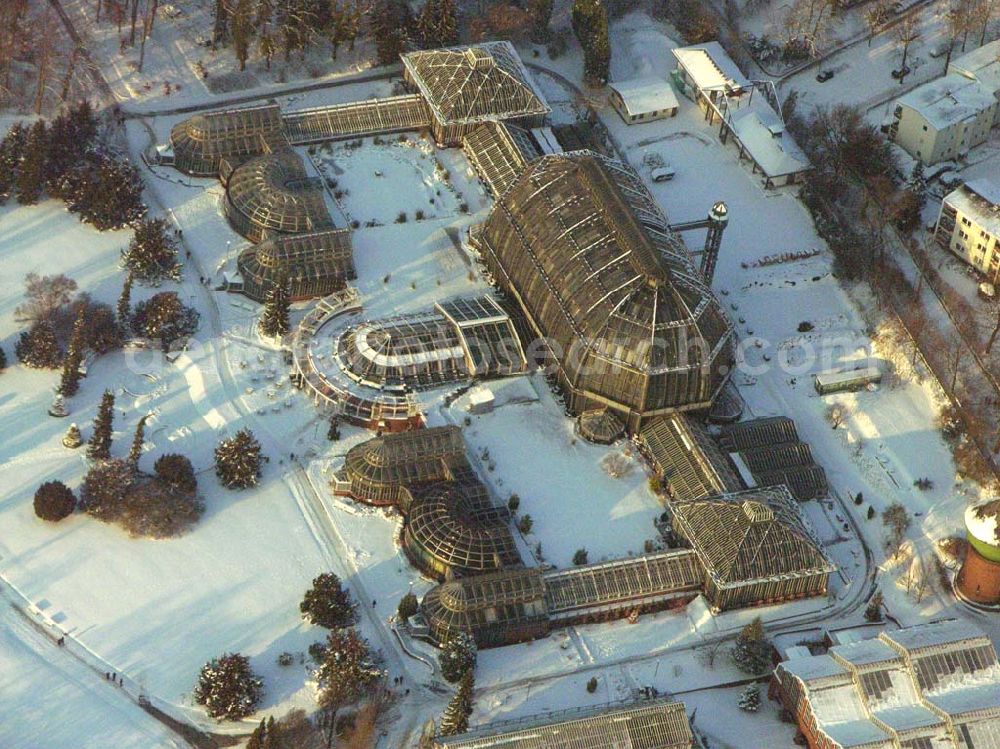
(156, 611)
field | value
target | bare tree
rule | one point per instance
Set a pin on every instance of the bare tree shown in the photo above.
(896, 520)
(837, 414)
(875, 15)
(906, 32)
(981, 13)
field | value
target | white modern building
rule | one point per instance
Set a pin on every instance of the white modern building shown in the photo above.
(943, 119)
(643, 99)
(969, 226)
(748, 111)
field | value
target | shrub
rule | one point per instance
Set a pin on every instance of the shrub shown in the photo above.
(592, 684)
(105, 486)
(54, 501)
(525, 523)
(580, 557)
(407, 607)
(228, 687)
(152, 509)
(513, 502)
(805, 326)
(401, 218)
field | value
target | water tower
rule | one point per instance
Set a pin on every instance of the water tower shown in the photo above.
(979, 579)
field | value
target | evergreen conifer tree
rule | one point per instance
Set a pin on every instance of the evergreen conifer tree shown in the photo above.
(873, 611)
(327, 603)
(151, 256)
(73, 439)
(457, 655)
(274, 319)
(752, 651)
(333, 433)
(99, 447)
(256, 740)
(124, 309)
(541, 12)
(138, 439)
(31, 172)
(455, 719)
(69, 384)
(11, 152)
(38, 347)
(390, 21)
(437, 24)
(228, 687)
(590, 25)
(238, 460)
(54, 501)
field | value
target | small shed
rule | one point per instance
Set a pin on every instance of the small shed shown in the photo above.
(643, 99)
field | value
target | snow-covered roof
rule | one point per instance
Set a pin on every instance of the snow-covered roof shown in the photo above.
(865, 652)
(982, 64)
(813, 667)
(907, 717)
(763, 135)
(980, 202)
(933, 634)
(858, 733)
(483, 82)
(949, 100)
(710, 67)
(643, 95)
(983, 522)
(984, 696)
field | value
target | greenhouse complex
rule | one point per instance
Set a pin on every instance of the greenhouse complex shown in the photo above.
(743, 548)
(650, 724)
(271, 192)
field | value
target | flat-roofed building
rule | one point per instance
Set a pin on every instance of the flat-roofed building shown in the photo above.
(969, 225)
(643, 99)
(944, 118)
(931, 686)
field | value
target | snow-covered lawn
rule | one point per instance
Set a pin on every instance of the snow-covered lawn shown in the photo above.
(386, 179)
(530, 449)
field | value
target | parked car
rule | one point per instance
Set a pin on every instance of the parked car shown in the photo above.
(663, 173)
(940, 50)
(901, 72)
(824, 75)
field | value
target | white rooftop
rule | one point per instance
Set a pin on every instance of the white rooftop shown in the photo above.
(968, 200)
(949, 100)
(762, 134)
(710, 67)
(863, 652)
(983, 64)
(648, 94)
(812, 667)
(858, 733)
(934, 633)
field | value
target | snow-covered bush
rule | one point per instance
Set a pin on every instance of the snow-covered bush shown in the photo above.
(54, 501)
(228, 687)
(176, 472)
(750, 698)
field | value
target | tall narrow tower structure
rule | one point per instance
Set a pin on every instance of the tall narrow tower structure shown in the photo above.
(979, 579)
(718, 218)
